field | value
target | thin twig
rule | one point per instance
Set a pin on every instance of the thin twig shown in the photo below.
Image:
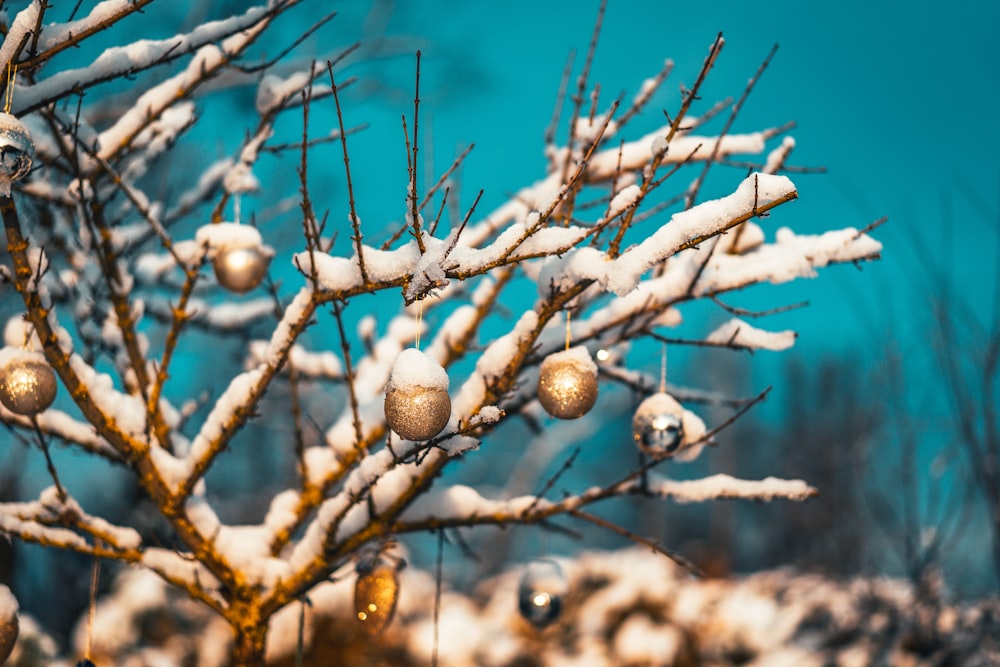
(645, 541)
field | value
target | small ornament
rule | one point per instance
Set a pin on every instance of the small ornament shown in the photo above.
(16, 151)
(417, 406)
(27, 383)
(241, 269)
(567, 383)
(658, 425)
(8, 623)
(375, 593)
(541, 592)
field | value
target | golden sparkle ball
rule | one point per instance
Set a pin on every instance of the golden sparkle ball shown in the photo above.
(567, 383)
(417, 413)
(27, 386)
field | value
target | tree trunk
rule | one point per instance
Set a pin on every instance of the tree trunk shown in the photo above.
(249, 645)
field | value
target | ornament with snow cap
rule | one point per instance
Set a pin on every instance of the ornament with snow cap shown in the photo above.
(8, 623)
(417, 405)
(540, 593)
(27, 383)
(567, 383)
(658, 425)
(16, 151)
(239, 257)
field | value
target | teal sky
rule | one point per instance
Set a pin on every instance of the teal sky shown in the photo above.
(896, 100)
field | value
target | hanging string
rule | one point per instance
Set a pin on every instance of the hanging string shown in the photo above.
(299, 646)
(92, 612)
(236, 207)
(437, 598)
(568, 337)
(8, 101)
(420, 322)
(663, 369)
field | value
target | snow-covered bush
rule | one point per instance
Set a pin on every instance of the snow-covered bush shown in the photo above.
(116, 232)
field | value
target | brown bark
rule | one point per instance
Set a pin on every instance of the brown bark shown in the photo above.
(249, 645)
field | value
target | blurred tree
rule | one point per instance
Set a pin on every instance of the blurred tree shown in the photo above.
(380, 356)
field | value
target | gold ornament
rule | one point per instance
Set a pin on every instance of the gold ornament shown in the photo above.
(417, 413)
(417, 405)
(8, 626)
(241, 269)
(540, 593)
(658, 425)
(375, 593)
(8, 637)
(567, 383)
(27, 384)
(16, 149)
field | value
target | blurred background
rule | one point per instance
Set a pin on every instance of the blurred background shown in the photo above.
(887, 403)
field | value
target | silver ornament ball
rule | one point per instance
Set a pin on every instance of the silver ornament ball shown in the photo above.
(658, 425)
(541, 592)
(16, 149)
(417, 413)
(567, 389)
(241, 269)
(27, 386)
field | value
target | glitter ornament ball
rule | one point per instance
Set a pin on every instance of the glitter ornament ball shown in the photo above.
(241, 269)
(417, 405)
(375, 593)
(567, 383)
(16, 151)
(8, 623)
(27, 384)
(541, 592)
(658, 425)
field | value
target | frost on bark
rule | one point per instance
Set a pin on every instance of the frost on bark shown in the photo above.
(116, 276)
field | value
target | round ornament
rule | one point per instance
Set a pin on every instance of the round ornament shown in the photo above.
(8, 623)
(16, 149)
(375, 593)
(567, 383)
(27, 384)
(241, 269)
(417, 405)
(541, 592)
(658, 425)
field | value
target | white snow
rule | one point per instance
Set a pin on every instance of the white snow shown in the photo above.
(413, 368)
(725, 486)
(738, 333)
(577, 355)
(625, 198)
(18, 30)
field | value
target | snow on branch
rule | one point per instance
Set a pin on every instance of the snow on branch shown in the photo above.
(723, 486)
(737, 333)
(53, 521)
